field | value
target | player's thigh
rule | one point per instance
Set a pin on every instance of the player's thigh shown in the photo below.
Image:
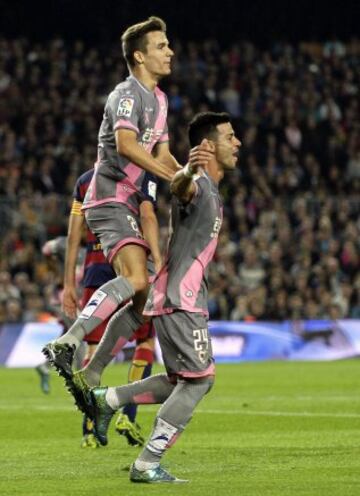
(131, 260)
(117, 227)
(185, 344)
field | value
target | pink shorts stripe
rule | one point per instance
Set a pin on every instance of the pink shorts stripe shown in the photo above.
(164, 138)
(124, 242)
(111, 199)
(156, 313)
(166, 311)
(202, 373)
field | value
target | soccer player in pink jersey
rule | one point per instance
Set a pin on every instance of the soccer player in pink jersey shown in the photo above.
(177, 302)
(133, 139)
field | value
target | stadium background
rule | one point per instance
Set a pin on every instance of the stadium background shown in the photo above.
(289, 248)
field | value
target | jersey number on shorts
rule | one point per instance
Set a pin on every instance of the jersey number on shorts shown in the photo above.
(134, 226)
(201, 343)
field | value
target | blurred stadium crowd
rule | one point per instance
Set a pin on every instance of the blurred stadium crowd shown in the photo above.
(289, 246)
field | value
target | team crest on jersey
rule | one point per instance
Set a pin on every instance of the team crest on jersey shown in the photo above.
(125, 107)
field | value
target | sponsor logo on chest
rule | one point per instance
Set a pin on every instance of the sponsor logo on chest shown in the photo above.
(151, 135)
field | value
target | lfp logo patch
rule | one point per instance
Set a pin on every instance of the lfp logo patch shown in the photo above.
(125, 107)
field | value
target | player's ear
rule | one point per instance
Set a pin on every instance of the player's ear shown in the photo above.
(139, 57)
(207, 145)
(211, 145)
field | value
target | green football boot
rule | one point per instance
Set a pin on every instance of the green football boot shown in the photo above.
(80, 390)
(131, 430)
(89, 441)
(153, 475)
(102, 414)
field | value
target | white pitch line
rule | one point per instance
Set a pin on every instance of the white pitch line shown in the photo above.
(280, 414)
(328, 397)
(31, 408)
(153, 408)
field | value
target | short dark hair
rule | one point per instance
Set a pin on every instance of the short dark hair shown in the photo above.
(134, 38)
(203, 125)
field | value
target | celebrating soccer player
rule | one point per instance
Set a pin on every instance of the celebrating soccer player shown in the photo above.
(178, 301)
(133, 138)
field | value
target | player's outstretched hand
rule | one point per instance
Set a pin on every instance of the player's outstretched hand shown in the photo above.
(200, 155)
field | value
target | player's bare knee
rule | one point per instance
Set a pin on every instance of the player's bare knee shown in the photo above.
(139, 282)
(137, 276)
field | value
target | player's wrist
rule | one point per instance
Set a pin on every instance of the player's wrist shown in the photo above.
(188, 171)
(69, 286)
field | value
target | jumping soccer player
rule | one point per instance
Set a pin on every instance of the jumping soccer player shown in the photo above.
(178, 302)
(133, 138)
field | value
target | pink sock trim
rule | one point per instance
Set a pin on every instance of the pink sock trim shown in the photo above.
(173, 440)
(199, 373)
(85, 362)
(144, 399)
(118, 345)
(105, 309)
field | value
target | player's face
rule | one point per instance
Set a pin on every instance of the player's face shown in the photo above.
(158, 55)
(227, 146)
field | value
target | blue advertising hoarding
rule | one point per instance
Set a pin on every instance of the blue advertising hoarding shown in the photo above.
(20, 344)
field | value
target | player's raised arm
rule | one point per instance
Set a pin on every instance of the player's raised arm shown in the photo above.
(183, 186)
(162, 153)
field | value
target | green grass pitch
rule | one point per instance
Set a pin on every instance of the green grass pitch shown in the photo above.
(275, 428)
